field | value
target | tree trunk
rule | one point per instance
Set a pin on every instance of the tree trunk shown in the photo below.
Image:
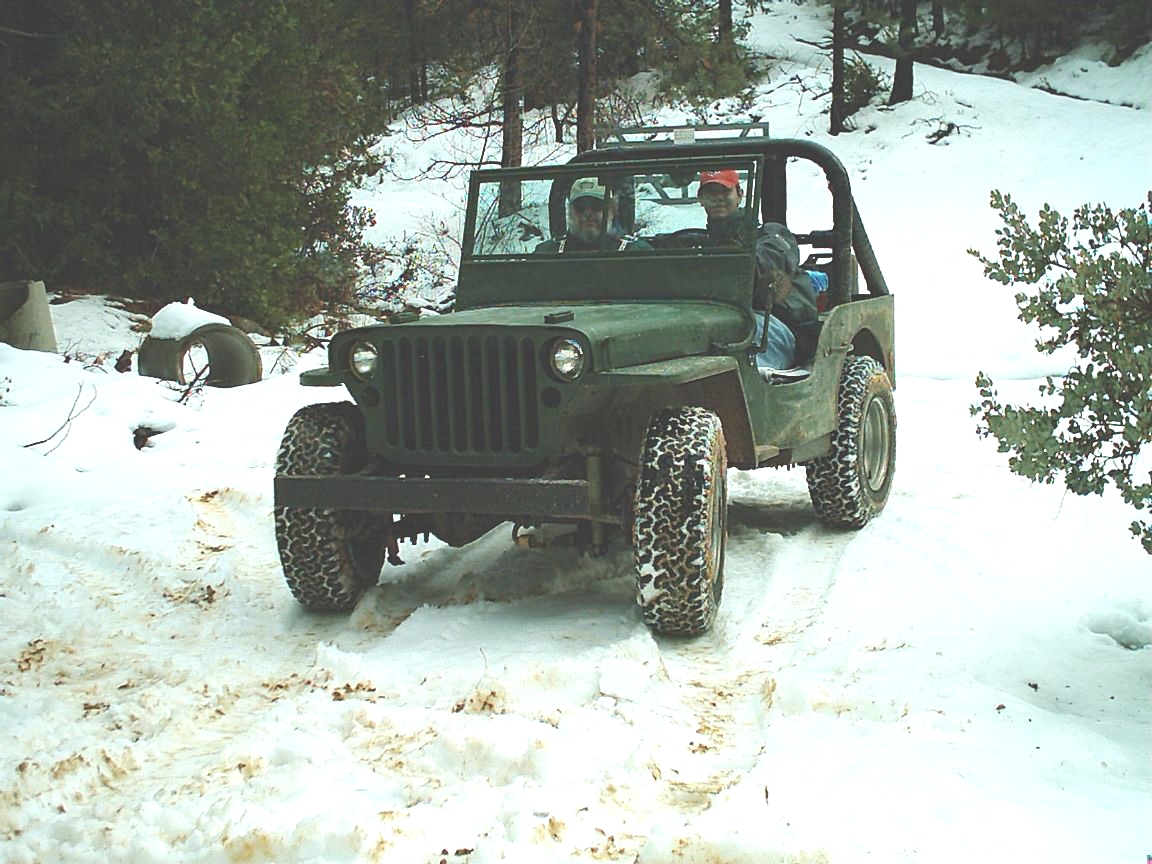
(724, 29)
(511, 92)
(905, 46)
(417, 68)
(836, 114)
(558, 124)
(586, 90)
(938, 17)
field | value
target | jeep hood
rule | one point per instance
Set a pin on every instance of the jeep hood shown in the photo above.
(620, 334)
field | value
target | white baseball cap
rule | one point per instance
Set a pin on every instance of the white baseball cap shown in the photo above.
(586, 187)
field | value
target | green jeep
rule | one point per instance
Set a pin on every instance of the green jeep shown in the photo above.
(608, 389)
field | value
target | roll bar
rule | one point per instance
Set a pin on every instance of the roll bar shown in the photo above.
(847, 235)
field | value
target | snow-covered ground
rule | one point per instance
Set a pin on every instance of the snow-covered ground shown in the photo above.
(967, 678)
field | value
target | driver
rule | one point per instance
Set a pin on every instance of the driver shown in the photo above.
(586, 203)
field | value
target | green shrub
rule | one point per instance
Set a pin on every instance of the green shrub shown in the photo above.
(862, 84)
(1093, 291)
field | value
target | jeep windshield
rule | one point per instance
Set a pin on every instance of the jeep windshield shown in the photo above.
(604, 209)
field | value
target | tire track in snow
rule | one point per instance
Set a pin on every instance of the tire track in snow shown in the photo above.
(700, 727)
(149, 689)
(189, 731)
(727, 679)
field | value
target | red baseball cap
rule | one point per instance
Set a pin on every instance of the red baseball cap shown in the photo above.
(725, 177)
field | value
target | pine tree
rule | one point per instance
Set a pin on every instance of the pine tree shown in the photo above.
(193, 148)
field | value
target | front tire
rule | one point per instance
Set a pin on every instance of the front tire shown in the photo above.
(681, 521)
(330, 557)
(851, 484)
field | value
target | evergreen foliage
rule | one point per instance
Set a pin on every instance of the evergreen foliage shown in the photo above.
(682, 40)
(1004, 36)
(1043, 26)
(699, 56)
(197, 147)
(209, 148)
(1093, 291)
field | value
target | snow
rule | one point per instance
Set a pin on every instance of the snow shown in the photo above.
(177, 320)
(967, 678)
(1085, 75)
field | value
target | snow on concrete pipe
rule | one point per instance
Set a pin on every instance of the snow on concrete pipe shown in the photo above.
(189, 345)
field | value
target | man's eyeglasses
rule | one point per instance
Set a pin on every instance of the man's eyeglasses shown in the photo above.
(587, 205)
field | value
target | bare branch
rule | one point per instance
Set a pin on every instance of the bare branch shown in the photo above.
(66, 426)
(26, 35)
(195, 385)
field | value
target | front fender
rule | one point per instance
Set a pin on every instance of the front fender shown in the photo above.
(678, 371)
(711, 382)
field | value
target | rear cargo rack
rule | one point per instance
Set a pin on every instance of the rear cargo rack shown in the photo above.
(634, 137)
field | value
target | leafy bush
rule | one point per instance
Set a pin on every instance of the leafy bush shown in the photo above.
(1094, 292)
(862, 84)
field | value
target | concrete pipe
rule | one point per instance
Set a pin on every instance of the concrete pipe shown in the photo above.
(25, 319)
(220, 355)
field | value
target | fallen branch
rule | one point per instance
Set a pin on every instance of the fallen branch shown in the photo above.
(66, 426)
(195, 385)
(944, 131)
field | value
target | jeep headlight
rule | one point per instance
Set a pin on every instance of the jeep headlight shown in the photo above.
(363, 359)
(567, 359)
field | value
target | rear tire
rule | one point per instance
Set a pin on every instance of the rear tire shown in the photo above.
(330, 557)
(850, 485)
(681, 522)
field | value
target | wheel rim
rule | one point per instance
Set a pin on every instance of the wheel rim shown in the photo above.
(719, 532)
(875, 445)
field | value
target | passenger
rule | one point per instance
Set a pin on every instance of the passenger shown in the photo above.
(585, 217)
(782, 288)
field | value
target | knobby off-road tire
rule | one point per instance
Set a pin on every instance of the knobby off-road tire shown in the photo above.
(681, 521)
(850, 485)
(330, 557)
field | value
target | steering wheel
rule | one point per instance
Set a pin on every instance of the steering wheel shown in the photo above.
(682, 239)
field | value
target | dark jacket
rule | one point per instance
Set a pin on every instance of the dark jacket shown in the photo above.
(781, 285)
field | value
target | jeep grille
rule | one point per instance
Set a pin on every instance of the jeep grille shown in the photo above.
(455, 392)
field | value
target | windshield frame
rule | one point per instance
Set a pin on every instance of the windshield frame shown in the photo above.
(560, 179)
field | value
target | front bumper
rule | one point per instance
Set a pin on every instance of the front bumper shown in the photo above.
(507, 497)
